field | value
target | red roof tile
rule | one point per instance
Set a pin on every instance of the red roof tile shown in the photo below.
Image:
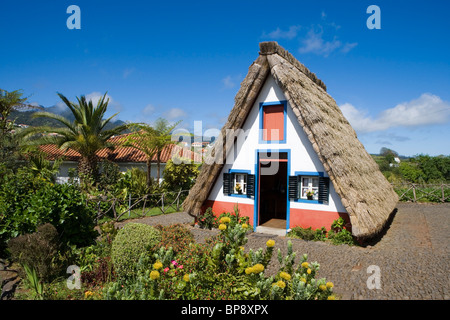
(120, 153)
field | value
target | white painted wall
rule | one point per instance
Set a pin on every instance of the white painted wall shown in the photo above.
(303, 157)
(63, 175)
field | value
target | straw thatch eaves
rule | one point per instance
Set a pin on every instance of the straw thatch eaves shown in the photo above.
(365, 193)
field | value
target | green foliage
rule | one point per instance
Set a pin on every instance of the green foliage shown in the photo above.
(131, 242)
(86, 134)
(418, 169)
(38, 251)
(174, 236)
(308, 234)
(133, 182)
(109, 175)
(342, 237)
(151, 141)
(34, 283)
(411, 172)
(27, 201)
(41, 167)
(338, 233)
(180, 175)
(10, 101)
(220, 269)
(207, 220)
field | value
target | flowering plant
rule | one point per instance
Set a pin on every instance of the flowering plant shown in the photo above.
(310, 192)
(238, 188)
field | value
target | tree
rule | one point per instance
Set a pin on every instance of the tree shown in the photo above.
(389, 154)
(162, 139)
(10, 101)
(86, 134)
(151, 141)
(180, 176)
(10, 144)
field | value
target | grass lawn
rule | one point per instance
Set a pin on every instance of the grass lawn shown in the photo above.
(137, 213)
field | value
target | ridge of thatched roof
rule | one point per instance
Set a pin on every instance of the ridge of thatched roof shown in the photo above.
(365, 193)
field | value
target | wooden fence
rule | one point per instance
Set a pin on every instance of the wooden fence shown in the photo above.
(416, 192)
(117, 207)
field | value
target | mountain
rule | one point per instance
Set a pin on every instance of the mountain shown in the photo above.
(25, 117)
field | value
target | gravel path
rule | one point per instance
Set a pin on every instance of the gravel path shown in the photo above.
(412, 257)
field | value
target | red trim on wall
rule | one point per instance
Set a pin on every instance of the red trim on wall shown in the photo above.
(219, 207)
(298, 217)
(315, 219)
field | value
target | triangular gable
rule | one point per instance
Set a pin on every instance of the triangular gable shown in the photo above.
(366, 195)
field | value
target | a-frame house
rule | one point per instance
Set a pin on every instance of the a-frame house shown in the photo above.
(288, 157)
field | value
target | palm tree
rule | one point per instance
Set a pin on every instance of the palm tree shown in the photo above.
(86, 134)
(151, 141)
(11, 144)
(10, 101)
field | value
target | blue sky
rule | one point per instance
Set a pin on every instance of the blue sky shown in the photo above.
(185, 60)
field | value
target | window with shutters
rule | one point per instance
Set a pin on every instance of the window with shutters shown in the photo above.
(309, 187)
(238, 183)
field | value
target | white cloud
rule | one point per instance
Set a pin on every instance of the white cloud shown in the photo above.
(315, 43)
(291, 33)
(127, 72)
(428, 109)
(348, 46)
(148, 110)
(96, 96)
(175, 113)
(230, 82)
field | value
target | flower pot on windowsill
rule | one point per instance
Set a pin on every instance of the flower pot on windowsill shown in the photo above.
(239, 192)
(309, 197)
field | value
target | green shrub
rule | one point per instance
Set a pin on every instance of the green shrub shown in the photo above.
(38, 250)
(225, 272)
(27, 201)
(180, 175)
(308, 233)
(207, 220)
(341, 237)
(175, 236)
(133, 240)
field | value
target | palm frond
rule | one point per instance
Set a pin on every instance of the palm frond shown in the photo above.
(56, 117)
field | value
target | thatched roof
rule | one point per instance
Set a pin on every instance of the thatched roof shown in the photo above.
(365, 193)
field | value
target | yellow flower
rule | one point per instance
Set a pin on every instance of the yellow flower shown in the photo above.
(222, 226)
(225, 220)
(330, 285)
(157, 265)
(286, 276)
(257, 268)
(88, 294)
(303, 280)
(305, 264)
(281, 284)
(308, 271)
(154, 275)
(248, 270)
(242, 248)
(332, 297)
(186, 278)
(270, 243)
(323, 287)
(244, 226)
